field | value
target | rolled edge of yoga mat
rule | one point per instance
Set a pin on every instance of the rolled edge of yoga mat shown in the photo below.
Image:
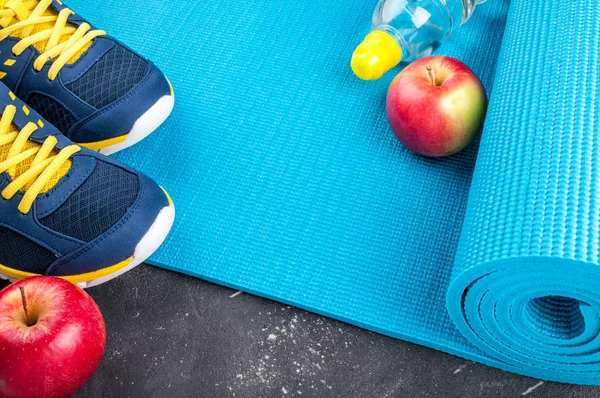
(526, 280)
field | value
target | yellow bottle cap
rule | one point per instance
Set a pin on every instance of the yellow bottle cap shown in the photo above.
(377, 54)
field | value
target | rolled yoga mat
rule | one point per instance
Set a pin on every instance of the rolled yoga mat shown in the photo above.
(290, 185)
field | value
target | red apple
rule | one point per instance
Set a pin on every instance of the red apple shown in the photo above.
(436, 106)
(52, 338)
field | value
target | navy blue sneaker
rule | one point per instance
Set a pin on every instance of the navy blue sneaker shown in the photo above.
(67, 211)
(96, 91)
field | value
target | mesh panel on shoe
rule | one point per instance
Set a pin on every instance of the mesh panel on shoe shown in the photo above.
(52, 111)
(100, 202)
(113, 76)
(20, 253)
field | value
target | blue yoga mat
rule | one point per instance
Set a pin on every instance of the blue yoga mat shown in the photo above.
(289, 183)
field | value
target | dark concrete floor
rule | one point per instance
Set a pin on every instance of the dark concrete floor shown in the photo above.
(174, 336)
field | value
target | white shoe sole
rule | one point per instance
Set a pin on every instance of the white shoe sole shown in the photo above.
(145, 125)
(151, 241)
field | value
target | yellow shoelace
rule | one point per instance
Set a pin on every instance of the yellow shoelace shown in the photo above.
(34, 176)
(54, 37)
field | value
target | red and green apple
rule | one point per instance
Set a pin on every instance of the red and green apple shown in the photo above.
(436, 106)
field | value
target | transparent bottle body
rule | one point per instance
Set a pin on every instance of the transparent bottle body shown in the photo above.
(421, 26)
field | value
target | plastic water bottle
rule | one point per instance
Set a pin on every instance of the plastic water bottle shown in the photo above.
(407, 30)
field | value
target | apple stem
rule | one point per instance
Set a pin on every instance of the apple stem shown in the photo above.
(431, 75)
(24, 300)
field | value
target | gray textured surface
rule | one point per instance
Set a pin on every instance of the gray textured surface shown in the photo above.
(172, 335)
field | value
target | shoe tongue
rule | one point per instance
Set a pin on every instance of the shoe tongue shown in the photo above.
(20, 8)
(23, 166)
(26, 164)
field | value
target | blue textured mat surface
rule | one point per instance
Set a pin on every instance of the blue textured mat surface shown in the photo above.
(289, 184)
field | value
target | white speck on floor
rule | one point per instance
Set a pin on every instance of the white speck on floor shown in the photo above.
(460, 368)
(530, 389)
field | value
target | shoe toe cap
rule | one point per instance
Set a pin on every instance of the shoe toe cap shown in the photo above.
(120, 242)
(118, 118)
